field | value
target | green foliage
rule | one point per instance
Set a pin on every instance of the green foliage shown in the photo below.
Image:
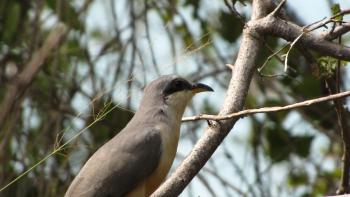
(335, 10)
(186, 36)
(309, 88)
(230, 27)
(11, 21)
(195, 4)
(298, 178)
(281, 144)
(278, 144)
(302, 145)
(326, 180)
(66, 13)
(328, 66)
(207, 108)
(111, 124)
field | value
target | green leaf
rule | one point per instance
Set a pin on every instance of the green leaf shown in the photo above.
(309, 87)
(327, 66)
(297, 178)
(230, 28)
(302, 145)
(278, 148)
(335, 10)
(66, 13)
(111, 123)
(195, 4)
(11, 20)
(207, 108)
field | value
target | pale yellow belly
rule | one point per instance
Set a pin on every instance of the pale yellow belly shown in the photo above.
(169, 147)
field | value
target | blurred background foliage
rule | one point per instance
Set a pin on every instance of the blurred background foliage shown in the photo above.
(113, 48)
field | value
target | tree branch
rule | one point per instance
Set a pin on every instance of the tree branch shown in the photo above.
(21, 82)
(289, 31)
(278, 8)
(325, 21)
(337, 32)
(267, 109)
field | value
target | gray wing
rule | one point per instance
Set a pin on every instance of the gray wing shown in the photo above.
(119, 165)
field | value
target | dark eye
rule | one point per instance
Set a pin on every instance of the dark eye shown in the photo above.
(178, 85)
(175, 86)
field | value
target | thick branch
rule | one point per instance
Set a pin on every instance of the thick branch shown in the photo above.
(20, 83)
(289, 31)
(338, 31)
(267, 109)
(242, 74)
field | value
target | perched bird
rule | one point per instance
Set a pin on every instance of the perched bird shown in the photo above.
(138, 158)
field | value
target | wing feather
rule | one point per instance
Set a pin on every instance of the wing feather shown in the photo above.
(119, 165)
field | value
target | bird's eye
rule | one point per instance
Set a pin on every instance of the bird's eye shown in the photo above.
(175, 86)
(178, 85)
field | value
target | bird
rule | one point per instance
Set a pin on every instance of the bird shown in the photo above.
(137, 159)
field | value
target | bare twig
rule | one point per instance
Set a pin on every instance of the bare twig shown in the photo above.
(324, 22)
(266, 109)
(212, 73)
(148, 37)
(278, 8)
(290, 48)
(225, 182)
(206, 184)
(270, 57)
(234, 11)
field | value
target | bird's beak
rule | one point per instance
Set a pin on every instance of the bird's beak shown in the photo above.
(200, 87)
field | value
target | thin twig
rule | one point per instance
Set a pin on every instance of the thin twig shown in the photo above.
(290, 48)
(278, 8)
(337, 32)
(266, 109)
(149, 40)
(324, 22)
(270, 57)
(234, 11)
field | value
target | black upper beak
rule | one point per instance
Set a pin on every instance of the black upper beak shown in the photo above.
(200, 87)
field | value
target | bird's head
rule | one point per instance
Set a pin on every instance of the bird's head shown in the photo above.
(173, 91)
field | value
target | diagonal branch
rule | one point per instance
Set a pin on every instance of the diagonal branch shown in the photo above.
(21, 82)
(267, 109)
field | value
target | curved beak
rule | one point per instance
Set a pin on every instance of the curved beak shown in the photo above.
(200, 87)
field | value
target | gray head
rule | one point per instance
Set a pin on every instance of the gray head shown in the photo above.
(171, 91)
